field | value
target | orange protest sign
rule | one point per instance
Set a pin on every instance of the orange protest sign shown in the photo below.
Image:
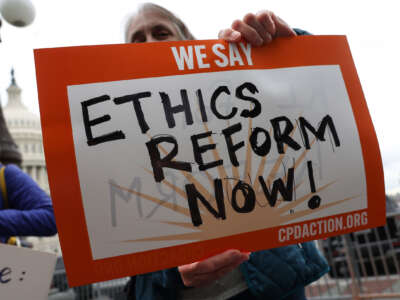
(160, 154)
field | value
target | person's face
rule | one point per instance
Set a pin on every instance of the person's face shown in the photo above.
(151, 27)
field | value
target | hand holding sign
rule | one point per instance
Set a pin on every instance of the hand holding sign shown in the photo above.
(206, 271)
(257, 29)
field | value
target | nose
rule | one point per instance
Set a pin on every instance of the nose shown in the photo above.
(150, 38)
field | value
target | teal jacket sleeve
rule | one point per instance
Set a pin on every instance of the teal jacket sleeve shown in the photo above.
(301, 31)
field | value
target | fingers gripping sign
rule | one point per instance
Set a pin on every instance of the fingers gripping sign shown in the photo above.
(206, 271)
(257, 29)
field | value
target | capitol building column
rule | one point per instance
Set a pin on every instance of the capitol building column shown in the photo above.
(35, 174)
(39, 175)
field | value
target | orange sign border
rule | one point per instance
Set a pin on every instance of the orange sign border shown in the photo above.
(56, 68)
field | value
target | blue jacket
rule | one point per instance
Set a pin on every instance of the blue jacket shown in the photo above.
(269, 274)
(30, 209)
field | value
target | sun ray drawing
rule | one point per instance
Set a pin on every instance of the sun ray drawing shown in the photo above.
(219, 217)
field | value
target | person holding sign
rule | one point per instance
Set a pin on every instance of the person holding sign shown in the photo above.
(25, 209)
(279, 273)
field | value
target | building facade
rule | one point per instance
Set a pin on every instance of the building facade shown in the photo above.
(25, 128)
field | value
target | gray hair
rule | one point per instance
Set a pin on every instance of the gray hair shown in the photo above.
(180, 27)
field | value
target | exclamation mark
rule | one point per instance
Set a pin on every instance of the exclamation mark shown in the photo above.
(22, 275)
(315, 200)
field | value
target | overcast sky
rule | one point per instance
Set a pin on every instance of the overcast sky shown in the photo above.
(372, 28)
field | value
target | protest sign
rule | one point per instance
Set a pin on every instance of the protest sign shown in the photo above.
(24, 273)
(162, 154)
